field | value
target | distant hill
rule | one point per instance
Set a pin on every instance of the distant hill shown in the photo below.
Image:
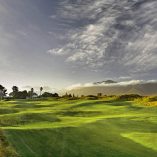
(113, 88)
(105, 82)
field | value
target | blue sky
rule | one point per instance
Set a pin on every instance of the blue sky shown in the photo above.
(57, 43)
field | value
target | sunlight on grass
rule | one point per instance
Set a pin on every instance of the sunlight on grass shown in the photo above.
(148, 140)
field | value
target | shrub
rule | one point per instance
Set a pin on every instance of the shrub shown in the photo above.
(129, 97)
(91, 97)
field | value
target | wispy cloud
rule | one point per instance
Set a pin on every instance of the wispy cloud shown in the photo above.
(113, 33)
(57, 51)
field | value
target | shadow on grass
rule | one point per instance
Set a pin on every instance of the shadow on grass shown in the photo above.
(27, 118)
(127, 104)
(80, 113)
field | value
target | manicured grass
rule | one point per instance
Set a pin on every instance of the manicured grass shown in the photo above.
(80, 128)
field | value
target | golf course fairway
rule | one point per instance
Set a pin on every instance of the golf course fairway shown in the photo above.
(79, 128)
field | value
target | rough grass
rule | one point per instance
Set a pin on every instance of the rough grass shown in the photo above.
(80, 128)
(5, 149)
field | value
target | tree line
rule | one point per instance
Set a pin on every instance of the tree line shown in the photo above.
(17, 94)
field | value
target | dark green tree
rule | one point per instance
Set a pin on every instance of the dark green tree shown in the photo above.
(3, 91)
(23, 94)
(32, 94)
(47, 94)
(15, 91)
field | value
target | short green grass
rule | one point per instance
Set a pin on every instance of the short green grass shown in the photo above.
(80, 128)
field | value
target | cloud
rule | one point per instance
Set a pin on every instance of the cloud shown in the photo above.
(53, 16)
(122, 83)
(113, 33)
(79, 85)
(124, 78)
(57, 52)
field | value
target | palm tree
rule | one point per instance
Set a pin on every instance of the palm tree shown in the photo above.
(41, 89)
(32, 92)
